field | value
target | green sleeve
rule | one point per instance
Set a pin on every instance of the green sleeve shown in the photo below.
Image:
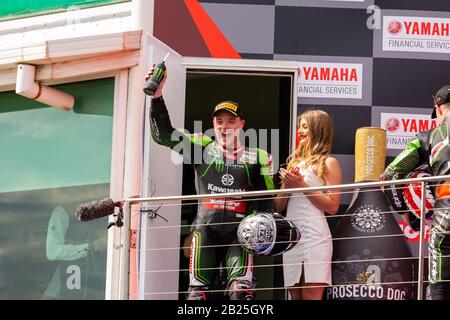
(264, 181)
(265, 161)
(405, 162)
(165, 134)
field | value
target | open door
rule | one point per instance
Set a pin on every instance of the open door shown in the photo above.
(266, 91)
(161, 177)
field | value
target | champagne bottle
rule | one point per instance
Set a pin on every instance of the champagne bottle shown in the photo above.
(372, 259)
(158, 74)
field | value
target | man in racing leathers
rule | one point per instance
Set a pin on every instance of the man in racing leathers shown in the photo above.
(433, 146)
(225, 166)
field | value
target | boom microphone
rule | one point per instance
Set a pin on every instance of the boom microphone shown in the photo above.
(97, 209)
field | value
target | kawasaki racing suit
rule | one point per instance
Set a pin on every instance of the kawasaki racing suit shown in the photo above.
(218, 171)
(432, 146)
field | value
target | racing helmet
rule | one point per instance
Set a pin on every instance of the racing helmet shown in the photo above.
(267, 234)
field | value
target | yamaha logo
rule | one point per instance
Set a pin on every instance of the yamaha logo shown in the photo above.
(227, 180)
(394, 27)
(392, 124)
(368, 219)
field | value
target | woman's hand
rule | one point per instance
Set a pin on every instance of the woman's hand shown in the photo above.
(292, 178)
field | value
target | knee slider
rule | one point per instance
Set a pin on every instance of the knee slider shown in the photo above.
(198, 293)
(241, 290)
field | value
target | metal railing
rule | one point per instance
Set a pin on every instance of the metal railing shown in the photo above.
(125, 246)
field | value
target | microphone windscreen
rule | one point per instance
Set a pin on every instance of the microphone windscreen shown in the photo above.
(95, 209)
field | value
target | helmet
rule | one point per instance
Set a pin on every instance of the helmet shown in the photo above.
(412, 193)
(267, 234)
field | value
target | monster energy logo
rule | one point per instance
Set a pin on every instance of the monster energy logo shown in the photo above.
(159, 73)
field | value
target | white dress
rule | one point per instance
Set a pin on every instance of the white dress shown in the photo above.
(315, 249)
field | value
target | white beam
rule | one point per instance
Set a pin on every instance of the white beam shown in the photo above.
(100, 64)
(76, 70)
(93, 44)
(69, 49)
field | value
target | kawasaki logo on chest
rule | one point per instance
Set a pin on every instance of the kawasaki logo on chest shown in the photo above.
(216, 189)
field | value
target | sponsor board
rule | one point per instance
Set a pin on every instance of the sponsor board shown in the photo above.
(365, 292)
(416, 34)
(330, 80)
(401, 128)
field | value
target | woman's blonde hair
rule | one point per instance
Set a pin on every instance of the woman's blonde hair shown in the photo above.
(318, 146)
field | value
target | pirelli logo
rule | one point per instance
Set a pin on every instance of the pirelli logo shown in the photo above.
(227, 105)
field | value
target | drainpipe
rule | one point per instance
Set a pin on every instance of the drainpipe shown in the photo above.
(27, 86)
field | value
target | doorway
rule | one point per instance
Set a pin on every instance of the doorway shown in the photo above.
(266, 100)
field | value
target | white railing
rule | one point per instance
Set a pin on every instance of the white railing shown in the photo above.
(124, 265)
